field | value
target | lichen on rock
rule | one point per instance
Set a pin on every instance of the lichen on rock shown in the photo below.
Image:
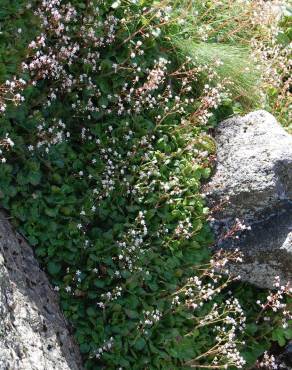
(33, 333)
(254, 172)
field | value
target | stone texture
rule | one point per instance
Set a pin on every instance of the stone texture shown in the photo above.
(286, 356)
(33, 333)
(254, 169)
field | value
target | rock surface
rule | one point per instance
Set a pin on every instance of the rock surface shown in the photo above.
(253, 182)
(33, 333)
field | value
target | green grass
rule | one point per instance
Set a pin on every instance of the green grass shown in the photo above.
(236, 67)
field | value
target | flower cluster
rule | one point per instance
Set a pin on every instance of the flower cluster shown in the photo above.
(6, 143)
(150, 318)
(234, 230)
(276, 301)
(10, 91)
(227, 319)
(269, 362)
(274, 55)
(133, 245)
(51, 133)
(107, 346)
(111, 296)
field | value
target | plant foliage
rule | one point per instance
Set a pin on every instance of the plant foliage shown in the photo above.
(103, 159)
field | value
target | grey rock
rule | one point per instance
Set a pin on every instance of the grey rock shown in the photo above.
(253, 182)
(286, 356)
(33, 332)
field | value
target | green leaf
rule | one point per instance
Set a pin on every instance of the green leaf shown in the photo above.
(54, 268)
(140, 344)
(91, 311)
(132, 314)
(99, 283)
(51, 212)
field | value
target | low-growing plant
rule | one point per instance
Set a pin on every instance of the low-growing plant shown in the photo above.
(105, 145)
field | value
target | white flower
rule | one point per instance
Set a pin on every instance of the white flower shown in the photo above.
(10, 142)
(116, 4)
(156, 32)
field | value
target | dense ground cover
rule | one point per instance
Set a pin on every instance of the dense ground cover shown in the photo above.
(104, 154)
